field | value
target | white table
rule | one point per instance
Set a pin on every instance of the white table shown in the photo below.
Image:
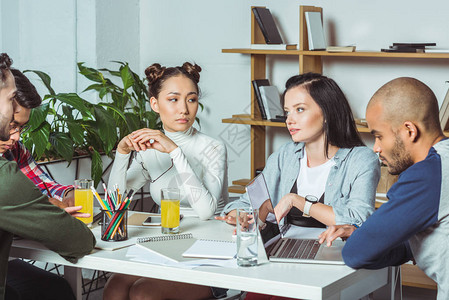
(304, 281)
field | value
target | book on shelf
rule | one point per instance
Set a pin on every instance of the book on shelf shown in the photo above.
(315, 31)
(444, 112)
(256, 85)
(408, 47)
(437, 50)
(271, 101)
(403, 49)
(274, 46)
(361, 122)
(267, 25)
(340, 48)
(415, 45)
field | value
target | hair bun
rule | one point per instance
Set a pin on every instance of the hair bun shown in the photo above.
(192, 70)
(154, 72)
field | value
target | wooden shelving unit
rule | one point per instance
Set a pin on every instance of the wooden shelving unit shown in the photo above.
(414, 276)
(308, 61)
(339, 54)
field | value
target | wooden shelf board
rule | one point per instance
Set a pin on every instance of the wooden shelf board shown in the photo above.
(237, 189)
(363, 129)
(242, 182)
(248, 121)
(414, 276)
(340, 54)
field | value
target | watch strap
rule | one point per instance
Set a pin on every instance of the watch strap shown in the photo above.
(307, 206)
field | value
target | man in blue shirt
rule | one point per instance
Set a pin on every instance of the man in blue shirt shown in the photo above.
(403, 116)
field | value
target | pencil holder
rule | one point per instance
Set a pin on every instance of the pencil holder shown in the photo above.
(114, 227)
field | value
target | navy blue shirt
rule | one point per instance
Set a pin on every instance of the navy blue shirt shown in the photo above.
(412, 207)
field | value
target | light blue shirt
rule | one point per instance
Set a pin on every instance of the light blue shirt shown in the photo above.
(350, 187)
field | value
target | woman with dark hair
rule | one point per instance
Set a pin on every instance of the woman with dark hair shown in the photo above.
(326, 175)
(179, 156)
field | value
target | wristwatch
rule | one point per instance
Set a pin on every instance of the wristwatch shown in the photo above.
(310, 200)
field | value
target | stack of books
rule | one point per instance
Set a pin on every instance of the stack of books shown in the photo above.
(408, 47)
(269, 100)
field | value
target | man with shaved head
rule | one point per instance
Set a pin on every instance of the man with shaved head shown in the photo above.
(413, 225)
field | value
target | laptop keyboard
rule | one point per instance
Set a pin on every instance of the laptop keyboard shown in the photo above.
(300, 249)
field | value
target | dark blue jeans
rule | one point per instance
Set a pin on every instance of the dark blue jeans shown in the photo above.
(27, 282)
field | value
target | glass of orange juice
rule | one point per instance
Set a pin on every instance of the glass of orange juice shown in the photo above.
(85, 198)
(170, 210)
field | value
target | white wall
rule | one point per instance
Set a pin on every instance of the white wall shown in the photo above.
(52, 35)
(175, 31)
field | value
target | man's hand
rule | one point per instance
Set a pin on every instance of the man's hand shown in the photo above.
(57, 203)
(72, 210)
(335, 231)
(229, 218)
(69, 198)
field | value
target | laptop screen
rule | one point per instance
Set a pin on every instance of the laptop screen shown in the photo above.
(258, 194)
(257, 191)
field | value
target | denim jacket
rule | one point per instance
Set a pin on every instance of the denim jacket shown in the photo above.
(350, 187)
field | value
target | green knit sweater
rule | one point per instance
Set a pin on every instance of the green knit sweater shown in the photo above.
(25, 212)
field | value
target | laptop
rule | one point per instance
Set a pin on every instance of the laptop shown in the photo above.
(279, 247)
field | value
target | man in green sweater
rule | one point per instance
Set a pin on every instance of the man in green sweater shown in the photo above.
(24, 210)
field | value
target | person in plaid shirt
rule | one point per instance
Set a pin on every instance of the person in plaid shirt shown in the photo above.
(14, 150)
(26, 281)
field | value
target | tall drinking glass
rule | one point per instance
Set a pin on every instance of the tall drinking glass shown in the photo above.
(85, 198)
(247, 232)
(170, 210)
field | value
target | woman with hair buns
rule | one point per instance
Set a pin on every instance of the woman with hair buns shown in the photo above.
(179, 156)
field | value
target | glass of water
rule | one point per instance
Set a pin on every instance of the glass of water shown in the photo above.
(247, 238)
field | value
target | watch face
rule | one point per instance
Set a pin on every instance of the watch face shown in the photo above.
(310, 198)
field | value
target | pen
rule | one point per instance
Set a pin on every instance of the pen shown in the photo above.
(46, 188)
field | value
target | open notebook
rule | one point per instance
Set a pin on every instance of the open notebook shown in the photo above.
(184, 246)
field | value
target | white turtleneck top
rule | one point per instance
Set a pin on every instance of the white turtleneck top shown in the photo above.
(199, 171)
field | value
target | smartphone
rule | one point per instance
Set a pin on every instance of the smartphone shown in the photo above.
(156, 220)
(152, 221)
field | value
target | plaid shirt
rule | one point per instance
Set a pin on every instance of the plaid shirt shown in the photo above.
(31, 169)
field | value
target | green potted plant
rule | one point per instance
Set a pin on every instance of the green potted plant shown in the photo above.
(66, 124)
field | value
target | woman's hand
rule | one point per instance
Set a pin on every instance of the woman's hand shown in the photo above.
(229, 218)
(264, 209)
(145, 138)
(125, 146)
(286, 204)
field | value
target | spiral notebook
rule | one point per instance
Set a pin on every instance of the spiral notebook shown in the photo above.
(212, 249)
(184, 247)
(168, 246)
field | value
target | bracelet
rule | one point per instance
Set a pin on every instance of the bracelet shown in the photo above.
(68, 190)
(356, 226)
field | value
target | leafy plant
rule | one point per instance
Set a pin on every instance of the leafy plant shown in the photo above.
(66, 124)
